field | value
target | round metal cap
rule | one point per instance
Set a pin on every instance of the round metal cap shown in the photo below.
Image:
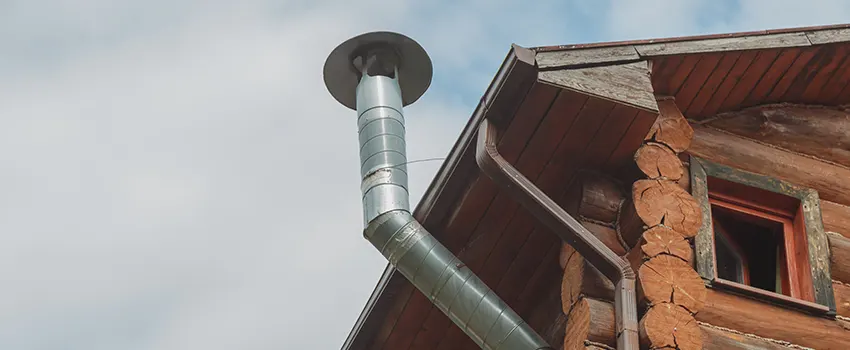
(414, 68)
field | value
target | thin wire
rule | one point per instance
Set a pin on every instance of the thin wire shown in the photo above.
(418, 161)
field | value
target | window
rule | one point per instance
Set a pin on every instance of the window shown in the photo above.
(757, 235)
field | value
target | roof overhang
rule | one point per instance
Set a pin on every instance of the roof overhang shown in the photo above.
(563, 108)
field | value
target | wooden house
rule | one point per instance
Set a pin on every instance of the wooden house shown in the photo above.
(717, 166)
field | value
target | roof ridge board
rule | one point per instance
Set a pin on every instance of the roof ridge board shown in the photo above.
(806, 30)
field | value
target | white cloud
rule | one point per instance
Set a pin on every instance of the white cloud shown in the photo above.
(175, 176)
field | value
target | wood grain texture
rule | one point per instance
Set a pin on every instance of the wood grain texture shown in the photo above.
(839, 248)
(738, 152)
(577, 57)
(668, 279)
(662, 240)
(813, 92)
(660, 202)
(842, 298)
(771, 77)
(595, 196)
(724, 44)
(836, 217)
(630, 226)
(591, 320)
(670, 326)
(819, 132)
(751, 77)
(699, 75)
(671, 128)
(790, 75)
(627, 84)
(632, 139)
(829, 36)
(714, 338)
(582, 279)
(771, 321)
(658, 161)
(711, 84)
(729, 81)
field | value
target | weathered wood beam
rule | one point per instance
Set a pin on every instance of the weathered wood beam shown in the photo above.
(671, 128)
(657, 241)
(627, 84)
(594, 323)
(668, 286)
(669, 279)
(836, 217)
(590, 320)
(716, 338)
(839, 249)
(669, 326)
(816, 131)
(595, 201)
(580, 57)
(594, 196)
(658, 161)
(770, 41)
(771, 321)
(659, 202)
(731, 150)
(582, 279)
(842, 298)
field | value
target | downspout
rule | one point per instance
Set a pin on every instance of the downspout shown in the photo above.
(377, 74)
(567, 228)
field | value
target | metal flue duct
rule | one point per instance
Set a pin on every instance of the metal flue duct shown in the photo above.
(377, 74)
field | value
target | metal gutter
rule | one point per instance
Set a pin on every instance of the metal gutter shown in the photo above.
(567, 228)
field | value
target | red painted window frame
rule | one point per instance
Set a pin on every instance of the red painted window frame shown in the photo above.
(794, 270)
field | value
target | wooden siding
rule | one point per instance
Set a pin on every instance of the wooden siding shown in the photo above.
(710, 83)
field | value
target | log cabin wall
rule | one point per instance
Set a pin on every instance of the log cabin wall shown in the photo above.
(656, 222)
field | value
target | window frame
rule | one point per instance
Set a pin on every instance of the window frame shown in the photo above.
(807, 218)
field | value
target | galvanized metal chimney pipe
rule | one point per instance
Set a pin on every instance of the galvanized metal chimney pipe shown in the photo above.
(378, 74)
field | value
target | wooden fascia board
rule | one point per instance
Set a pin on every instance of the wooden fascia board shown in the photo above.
(627, 84)
(584, 55)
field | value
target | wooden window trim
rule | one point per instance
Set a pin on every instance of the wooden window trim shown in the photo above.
(806, 218)
(799, 287)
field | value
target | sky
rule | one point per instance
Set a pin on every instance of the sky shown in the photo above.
(174, 174)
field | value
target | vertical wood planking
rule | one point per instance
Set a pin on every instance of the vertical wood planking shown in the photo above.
(631, 141)
(771, 77)
(610, 134)
(802, 60)
(836, 84)
(682, 73)
(662, 72)
(845, 94)
(813, 91)
(807, 74)
(712, 83)
(729, 82)
(750, 78)
(697, 78)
